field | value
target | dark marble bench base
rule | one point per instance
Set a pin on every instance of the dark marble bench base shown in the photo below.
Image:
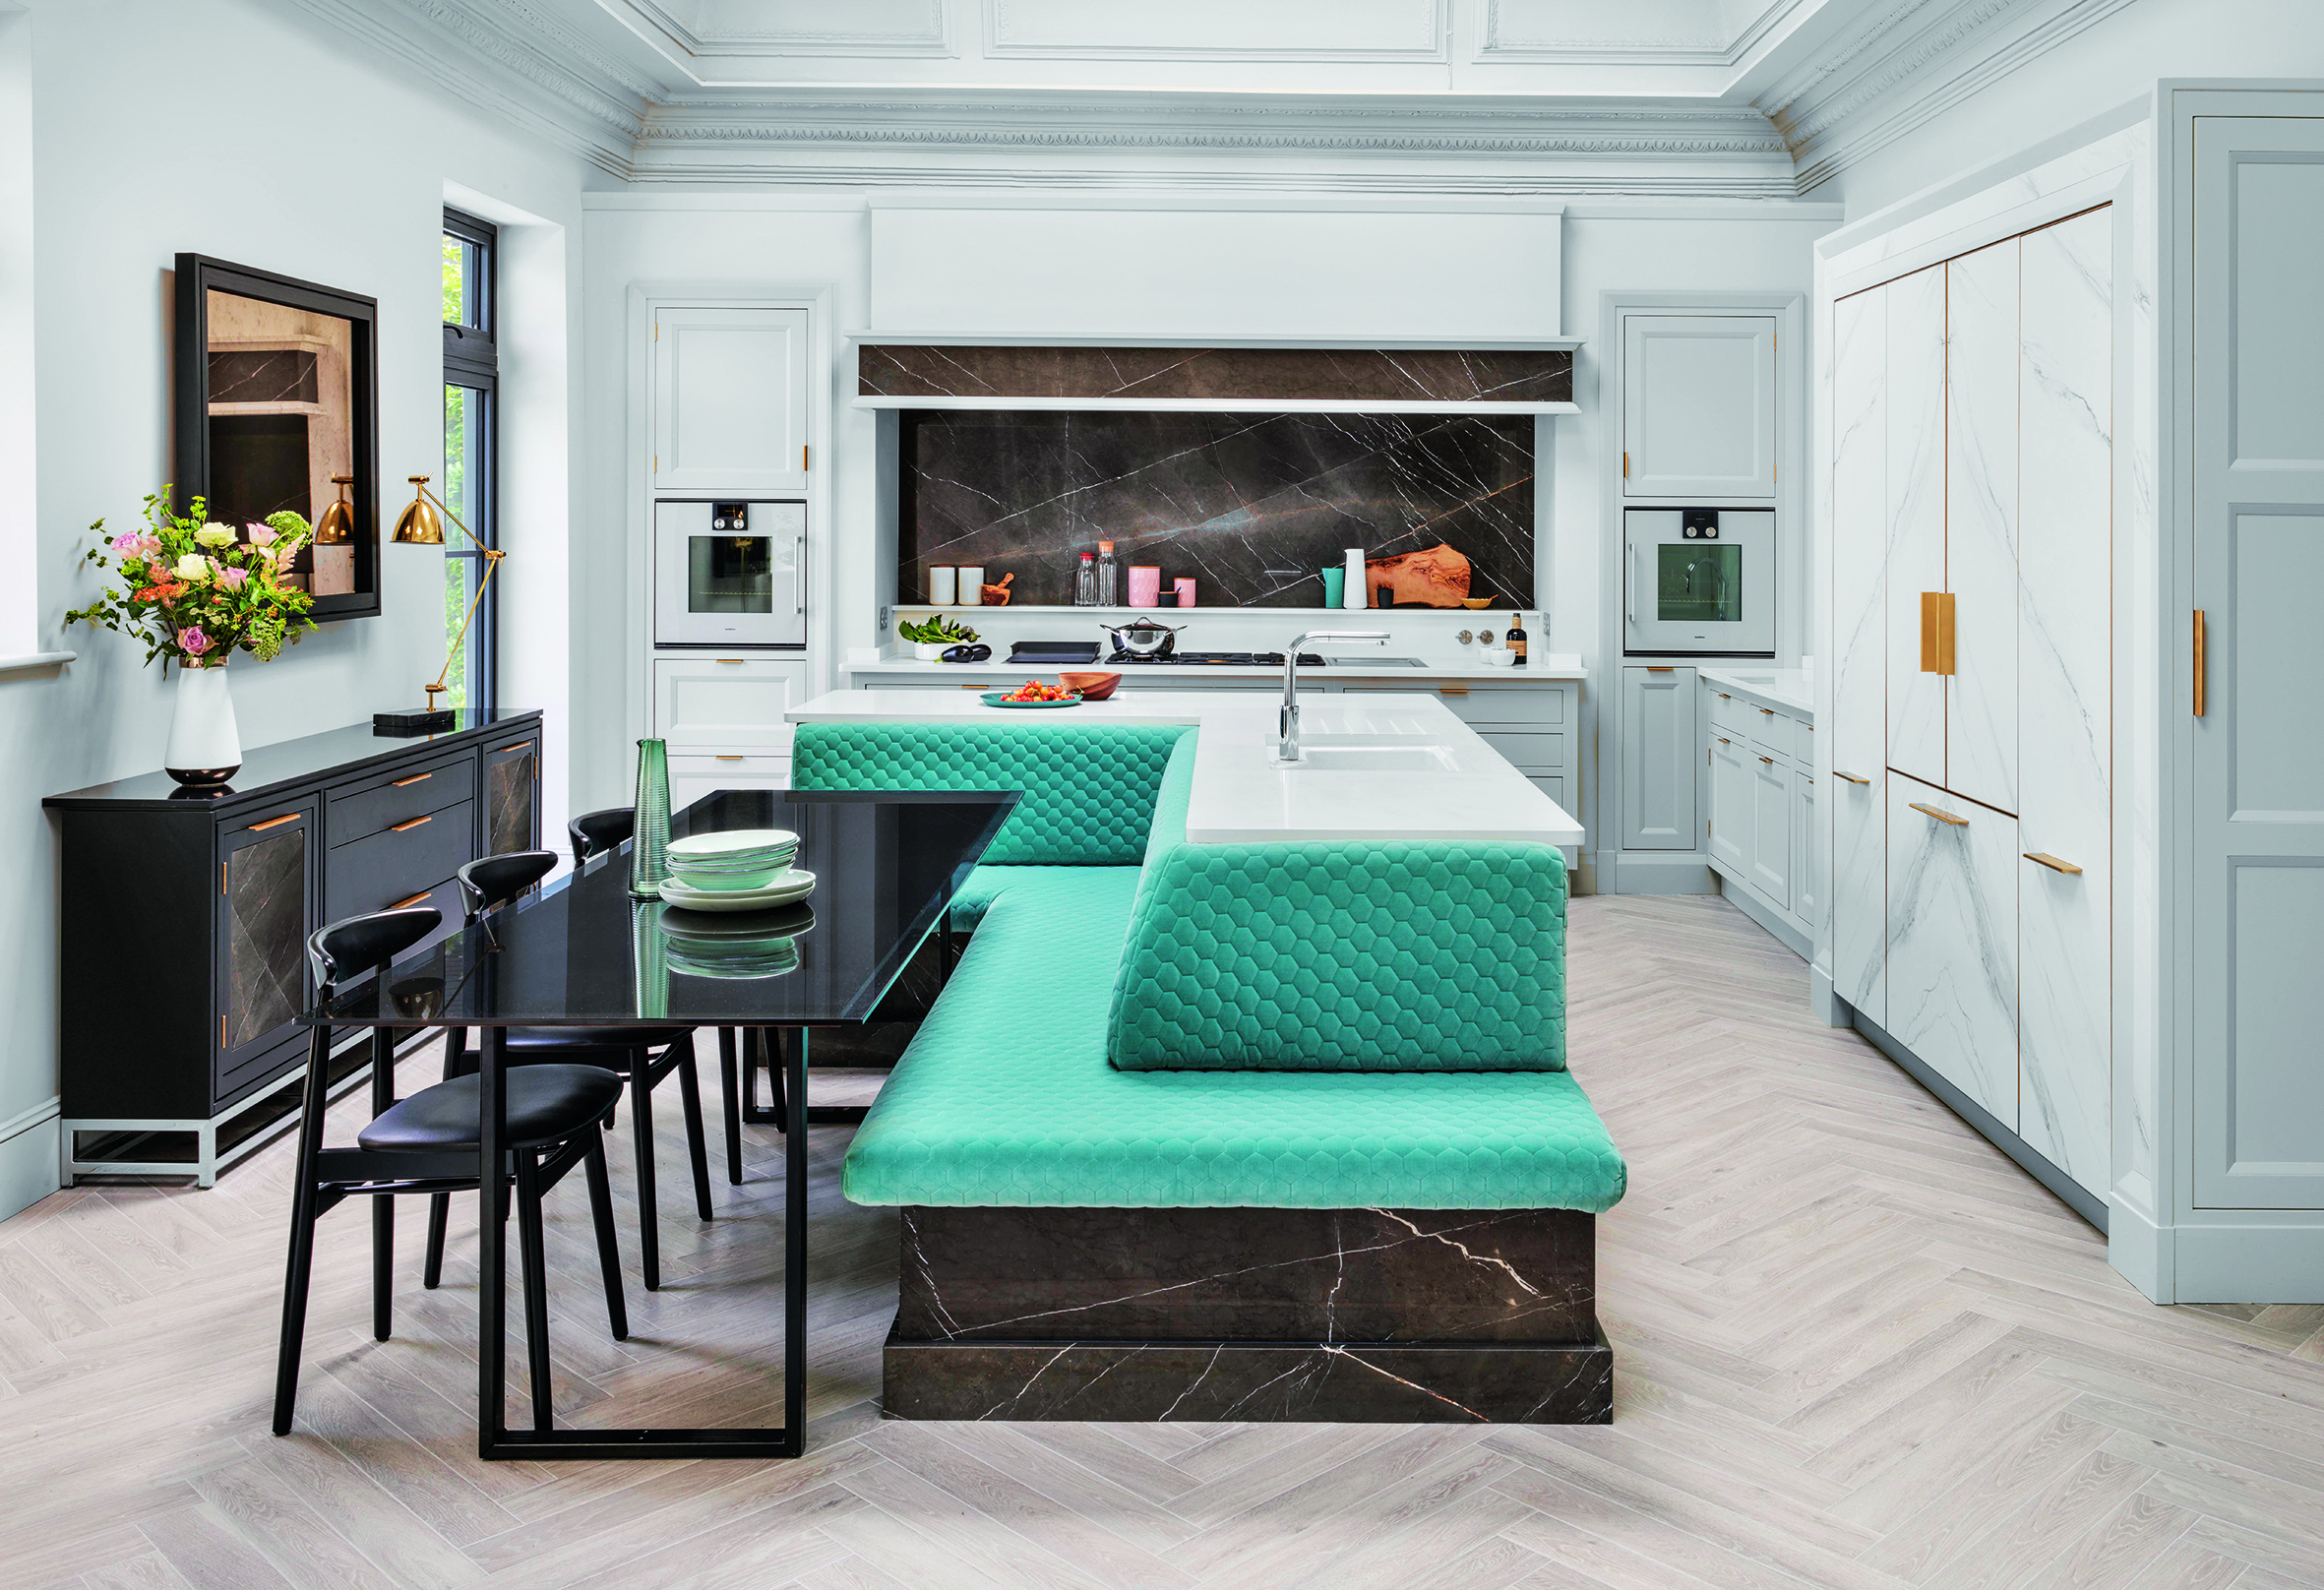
(1360, 1382)
(1328, 1315)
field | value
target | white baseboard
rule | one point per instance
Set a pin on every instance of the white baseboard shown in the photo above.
(28, 1149)
(1633, 872)
(1823, 1000)
(2218, 1263)
(2140, 1250)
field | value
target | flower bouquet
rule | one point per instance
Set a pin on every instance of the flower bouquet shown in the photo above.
(194, 593)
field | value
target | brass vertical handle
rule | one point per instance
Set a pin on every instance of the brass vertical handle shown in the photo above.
(1936, 632)
(2200, 669)
(1945, 630)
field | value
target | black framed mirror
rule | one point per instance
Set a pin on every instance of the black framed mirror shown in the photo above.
(278, 409)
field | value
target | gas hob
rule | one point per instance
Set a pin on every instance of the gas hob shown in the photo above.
(1213, 659)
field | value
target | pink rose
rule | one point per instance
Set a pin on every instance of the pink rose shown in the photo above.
(192, 641)
(261, 535)
(233, 579)
(126, 543)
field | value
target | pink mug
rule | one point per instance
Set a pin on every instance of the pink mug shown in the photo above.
(1185, 588)
(1145, 584)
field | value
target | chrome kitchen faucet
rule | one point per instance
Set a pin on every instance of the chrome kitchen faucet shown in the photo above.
(1287, 726)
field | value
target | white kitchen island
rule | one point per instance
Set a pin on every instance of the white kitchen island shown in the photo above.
(1390, 765)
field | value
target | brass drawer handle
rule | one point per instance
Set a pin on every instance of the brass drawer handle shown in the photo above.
(1767, 712)
(416, 779)
(1941, 817)
(277, 821)
(521, 745)
(1453, 690)
(1770, 761)
(1723, 695)
(1722, 739)
(724, 758)
(413, 824)
(735, 663)
(1850, 777)
(2052, 862)
(2200, 671)
(414, 900)
(1662, 668)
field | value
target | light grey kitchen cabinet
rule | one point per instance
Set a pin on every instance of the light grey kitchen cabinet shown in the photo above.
(1762, 841)
(1699, 406)
(1858, 724)
(1659, 749)
(1731, 803)
(729, 401)
(1806, 855)
(1952, 940)
(1771, 861)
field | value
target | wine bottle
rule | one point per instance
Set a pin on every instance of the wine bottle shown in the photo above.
(1516, 640)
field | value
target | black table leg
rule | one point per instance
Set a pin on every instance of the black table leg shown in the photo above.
(733, 1102)
(492, 1198)
(795, 1253)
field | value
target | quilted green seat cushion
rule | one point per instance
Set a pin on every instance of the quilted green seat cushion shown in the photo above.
(1432, 955)
(1088, 789)
(1005, 1098)
(988, 882)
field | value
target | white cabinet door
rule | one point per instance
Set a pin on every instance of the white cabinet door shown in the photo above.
(1859, 727)
(730, 401)
(2256, 838)
(1770, 864)
(1916, 494)
(726, 704)
(1807, 862)
(1952, 940)
(1658, 751)
(1731, 803)
(2066, 371)
(693, 778)
(1698, 405)
(1981, 522)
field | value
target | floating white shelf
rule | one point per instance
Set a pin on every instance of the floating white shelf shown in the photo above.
(972, 339)
(1223, 406)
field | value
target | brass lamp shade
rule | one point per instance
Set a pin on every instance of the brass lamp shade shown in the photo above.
(336, 526)
(418, 524)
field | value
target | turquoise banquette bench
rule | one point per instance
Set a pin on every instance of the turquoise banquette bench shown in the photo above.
(1228, 1131)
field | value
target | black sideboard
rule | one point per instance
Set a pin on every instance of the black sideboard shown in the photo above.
(185, 918)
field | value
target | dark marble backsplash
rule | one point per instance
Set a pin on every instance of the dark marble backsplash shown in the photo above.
(1251, 506)
(1270, 375)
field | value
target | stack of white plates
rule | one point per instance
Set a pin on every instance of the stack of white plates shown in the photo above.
(739, 860)
(790, 884)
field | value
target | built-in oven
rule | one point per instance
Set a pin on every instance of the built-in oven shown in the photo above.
(1698, 582)
(730, 574)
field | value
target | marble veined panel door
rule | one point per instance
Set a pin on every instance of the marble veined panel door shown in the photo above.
(1916, 496)
(2065, 695)
(1952, 940)
(1982, 523)
(1858, 730)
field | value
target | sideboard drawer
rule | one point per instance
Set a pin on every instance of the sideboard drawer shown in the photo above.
(368, 809)
(410, 858)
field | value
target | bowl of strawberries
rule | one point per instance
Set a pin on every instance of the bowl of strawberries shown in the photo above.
(1033, 693)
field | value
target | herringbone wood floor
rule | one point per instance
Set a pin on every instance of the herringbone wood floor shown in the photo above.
(1856, 1349)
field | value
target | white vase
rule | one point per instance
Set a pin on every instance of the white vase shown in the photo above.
(205, 744)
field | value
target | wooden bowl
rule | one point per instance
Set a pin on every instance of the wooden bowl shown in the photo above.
(1474, 602)
(1094, 687)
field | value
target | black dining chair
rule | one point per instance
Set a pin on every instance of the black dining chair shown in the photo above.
(485, 886)
(595, 833)
(428, 1143)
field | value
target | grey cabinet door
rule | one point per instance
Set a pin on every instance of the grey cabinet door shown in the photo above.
(1772, 861)
(1808, 892)
(512, 796)
(1698, 405)
(1731, 803)
(1659, 748)
(2257, 835)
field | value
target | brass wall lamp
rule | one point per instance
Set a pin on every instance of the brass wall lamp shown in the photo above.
(422, 523)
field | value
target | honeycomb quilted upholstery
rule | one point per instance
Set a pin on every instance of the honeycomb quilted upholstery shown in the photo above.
(987, 884)
(1429, 956)
(1005, 1098)
(1088, 789)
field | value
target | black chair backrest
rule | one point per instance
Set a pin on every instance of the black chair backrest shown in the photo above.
(595, 832)
(492, 883)
(365, 943)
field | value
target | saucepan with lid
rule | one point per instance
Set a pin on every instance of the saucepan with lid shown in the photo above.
(1141, 637)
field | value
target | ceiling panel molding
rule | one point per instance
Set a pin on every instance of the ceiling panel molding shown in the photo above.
(700, 166)
(1645, 33)
(1404, 31)
(714, 29)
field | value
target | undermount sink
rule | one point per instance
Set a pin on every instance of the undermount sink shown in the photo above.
(1371, 754)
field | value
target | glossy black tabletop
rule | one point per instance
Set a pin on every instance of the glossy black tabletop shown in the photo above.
(582, 952)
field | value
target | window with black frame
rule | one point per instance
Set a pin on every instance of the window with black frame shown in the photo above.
(472, 452)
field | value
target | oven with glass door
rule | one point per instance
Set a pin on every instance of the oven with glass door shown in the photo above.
(1698, 582)
(730, 574)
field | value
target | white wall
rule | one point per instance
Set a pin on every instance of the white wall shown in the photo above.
(247, 130)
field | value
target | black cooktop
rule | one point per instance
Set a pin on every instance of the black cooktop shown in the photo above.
(1218, 659)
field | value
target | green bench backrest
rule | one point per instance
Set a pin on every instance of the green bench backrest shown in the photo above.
(1089, 790)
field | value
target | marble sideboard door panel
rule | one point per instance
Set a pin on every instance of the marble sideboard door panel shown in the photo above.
(1858, 731)
(1982, 521)
(1916, 488)
(1952, 940)
(2065, 711)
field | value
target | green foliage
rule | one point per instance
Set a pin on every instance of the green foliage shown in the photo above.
(935, 631)
(192, 592)
(455, 281)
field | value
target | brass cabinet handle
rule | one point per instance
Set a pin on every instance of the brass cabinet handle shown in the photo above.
(1722, 739)
(733, 661)
(1723, 695)
(1941, 817)
(1770, 761)
(1662, 668)
(2052, 862)
(520, 745)
(2199, 668)
(1850, 777)
(724, 757)
(416, 779)
(277, 821)
(1767, 712)
(1453, 690)
(414, 900)
(1936, 632)
(398, 828)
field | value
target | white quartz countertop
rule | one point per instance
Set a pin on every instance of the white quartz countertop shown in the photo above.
(1464, 789)
(1560, 665)
(1786, 690)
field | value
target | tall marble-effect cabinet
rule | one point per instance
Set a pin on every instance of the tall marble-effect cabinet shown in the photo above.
(1971, 559)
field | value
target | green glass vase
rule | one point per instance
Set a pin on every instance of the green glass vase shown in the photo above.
(650, 843)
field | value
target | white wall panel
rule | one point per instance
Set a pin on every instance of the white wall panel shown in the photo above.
(1916, 486)
(1952, 940)
(1858, 730)
(1980, 522)
(2066, 716)
(1297, 30)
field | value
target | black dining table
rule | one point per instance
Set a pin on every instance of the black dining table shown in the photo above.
(583, 951)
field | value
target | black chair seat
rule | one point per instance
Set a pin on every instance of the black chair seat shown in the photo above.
(546, 1103)
(572, 1038)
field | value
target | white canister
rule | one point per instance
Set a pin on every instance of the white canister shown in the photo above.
(972, 586)
(1353, 592)
(941, 591)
